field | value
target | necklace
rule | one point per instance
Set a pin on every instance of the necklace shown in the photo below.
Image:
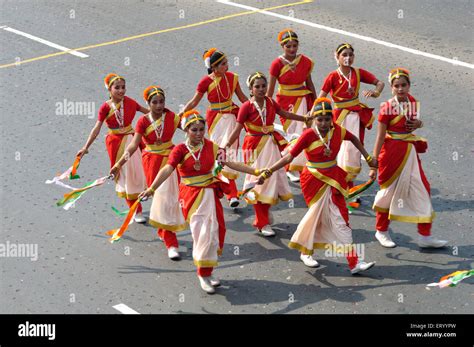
(327, 150)
(158, 131)
(262, 112)
(118, 112)
(197, 162)
(401, 109)
(219, 91)
(350, 90)
(291, 64)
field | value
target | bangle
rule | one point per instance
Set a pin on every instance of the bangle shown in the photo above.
(257, 172)
(368, 158)
(152, 190)
(267, 173)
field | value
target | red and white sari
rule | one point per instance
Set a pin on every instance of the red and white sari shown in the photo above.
(294, 96)
(199, 193)
(404, 193)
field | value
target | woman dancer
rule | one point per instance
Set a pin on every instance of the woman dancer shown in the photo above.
(200, 191)
(262, 147)
(157, 129)
(405, 191)
(296, 90)
(118, 113)
(220, 86)
(349, 112)
(324, 186)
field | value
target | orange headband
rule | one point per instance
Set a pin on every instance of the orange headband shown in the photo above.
(152, 90)
(111, 78)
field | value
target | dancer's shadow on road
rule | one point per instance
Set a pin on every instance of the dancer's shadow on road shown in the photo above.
(404, 241)
(440, 204)
(248, 253)
(295, 296)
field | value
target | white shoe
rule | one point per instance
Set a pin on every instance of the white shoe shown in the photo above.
(294, 176)
(271, 220)
(362, 266)
(234, 202)
(214, 281)
(173, 253)
(308, 260)
(267, 231)
(139, 218)
(430, 242)
(206, 285)
(384, 238)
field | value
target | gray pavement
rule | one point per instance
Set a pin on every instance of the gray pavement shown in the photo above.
(78, 271)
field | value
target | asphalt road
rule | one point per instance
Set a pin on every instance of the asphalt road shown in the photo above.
(78, 271)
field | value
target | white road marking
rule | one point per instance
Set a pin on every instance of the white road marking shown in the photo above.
(125, 309)
(357, 36)
(45, 42)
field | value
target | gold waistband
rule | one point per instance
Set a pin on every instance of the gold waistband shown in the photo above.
(269, 128)
(321, 165)
(122, 131)
(293, 89)
(220, 106)
(290, 86)
(198, 181)
(348, 103)
(162, 149)
(404, 137)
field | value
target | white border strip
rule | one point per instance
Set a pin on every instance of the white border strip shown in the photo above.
(347, 33)
(125, 309)
(45, 42)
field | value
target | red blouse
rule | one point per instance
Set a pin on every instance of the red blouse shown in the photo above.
(171, 124)
(130, 109)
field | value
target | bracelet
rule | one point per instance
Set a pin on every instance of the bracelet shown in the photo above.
(267, 173)
(257, 172)
(152, 190)
(368, 158)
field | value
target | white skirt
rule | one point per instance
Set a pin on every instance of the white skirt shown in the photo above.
(205, 230)
(322, 224)
(166, 212)
(220, 134)
(294, 131)
(348, 157)
(131, 181)
(274, 188)
(406, 199)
